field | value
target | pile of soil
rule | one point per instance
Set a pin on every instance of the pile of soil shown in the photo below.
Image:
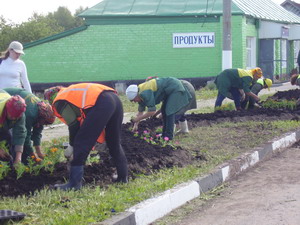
(143, 158)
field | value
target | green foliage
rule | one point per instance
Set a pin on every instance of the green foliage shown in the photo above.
(20, 168)
(226, 107)
(4, 166)
(4, 169)
(92, 158)
(53, 155)
(282, 104)
(38, 26)
(34, 165)
(3, 146)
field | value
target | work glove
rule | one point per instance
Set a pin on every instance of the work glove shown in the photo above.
(258, 104)
(69, 152)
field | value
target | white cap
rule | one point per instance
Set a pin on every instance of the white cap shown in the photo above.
(17, 47)
(132, 91)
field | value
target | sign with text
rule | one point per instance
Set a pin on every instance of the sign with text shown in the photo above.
(194, 40)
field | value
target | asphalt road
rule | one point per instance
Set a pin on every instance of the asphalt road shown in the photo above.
(267, 194)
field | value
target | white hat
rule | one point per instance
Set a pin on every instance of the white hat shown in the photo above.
(132, 91)
(17, 47)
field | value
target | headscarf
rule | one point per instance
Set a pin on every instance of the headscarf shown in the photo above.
(50, 93)
(257, 71)
(46, 114)
(14, 107)
(132, 91)
(151, 77)
(294, 78)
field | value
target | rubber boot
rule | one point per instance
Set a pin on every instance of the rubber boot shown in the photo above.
(184, 129)
(121, 180)
(75, 179)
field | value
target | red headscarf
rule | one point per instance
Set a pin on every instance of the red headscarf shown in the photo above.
(14, 107)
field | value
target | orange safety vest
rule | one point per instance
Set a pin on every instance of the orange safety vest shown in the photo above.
(84, 96)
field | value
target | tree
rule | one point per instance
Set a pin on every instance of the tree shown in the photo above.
(38, 26)
(6, 33)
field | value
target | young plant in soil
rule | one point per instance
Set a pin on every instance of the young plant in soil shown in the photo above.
(283, 104)
(4, 169)
(4, 166)
(211, 145)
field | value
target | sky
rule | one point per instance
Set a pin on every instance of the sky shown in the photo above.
(18, 11)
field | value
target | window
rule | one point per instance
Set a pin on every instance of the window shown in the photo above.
(283, 53)
(251, 52)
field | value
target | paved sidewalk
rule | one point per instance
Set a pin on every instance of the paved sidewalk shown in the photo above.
(267, 194)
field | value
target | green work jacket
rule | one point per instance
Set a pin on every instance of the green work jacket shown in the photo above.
(170, 91)
(33, 131)
(232, 78)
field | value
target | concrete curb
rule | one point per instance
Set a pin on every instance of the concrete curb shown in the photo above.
(154, 208)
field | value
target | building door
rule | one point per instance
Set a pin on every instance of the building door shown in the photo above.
(273, 58)
(266, 57)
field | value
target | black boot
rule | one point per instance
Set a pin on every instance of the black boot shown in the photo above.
(75, 179)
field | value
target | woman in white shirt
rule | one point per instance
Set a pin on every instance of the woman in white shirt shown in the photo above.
(13, 71)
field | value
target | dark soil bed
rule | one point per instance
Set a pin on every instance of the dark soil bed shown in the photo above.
(144, 158)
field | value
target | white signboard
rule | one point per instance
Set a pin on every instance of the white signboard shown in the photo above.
(194, 40)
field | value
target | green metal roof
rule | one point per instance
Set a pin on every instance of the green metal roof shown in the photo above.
(261, 9)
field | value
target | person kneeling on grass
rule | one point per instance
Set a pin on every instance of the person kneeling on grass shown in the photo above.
(88, 109)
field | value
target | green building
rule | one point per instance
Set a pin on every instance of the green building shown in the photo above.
(125, 41)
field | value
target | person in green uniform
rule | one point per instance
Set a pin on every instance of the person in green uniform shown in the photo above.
(260, 84)
(37, 114)
(295, 80)
(174, 96)
(180, 118)
(236, 82)
(12, 116)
